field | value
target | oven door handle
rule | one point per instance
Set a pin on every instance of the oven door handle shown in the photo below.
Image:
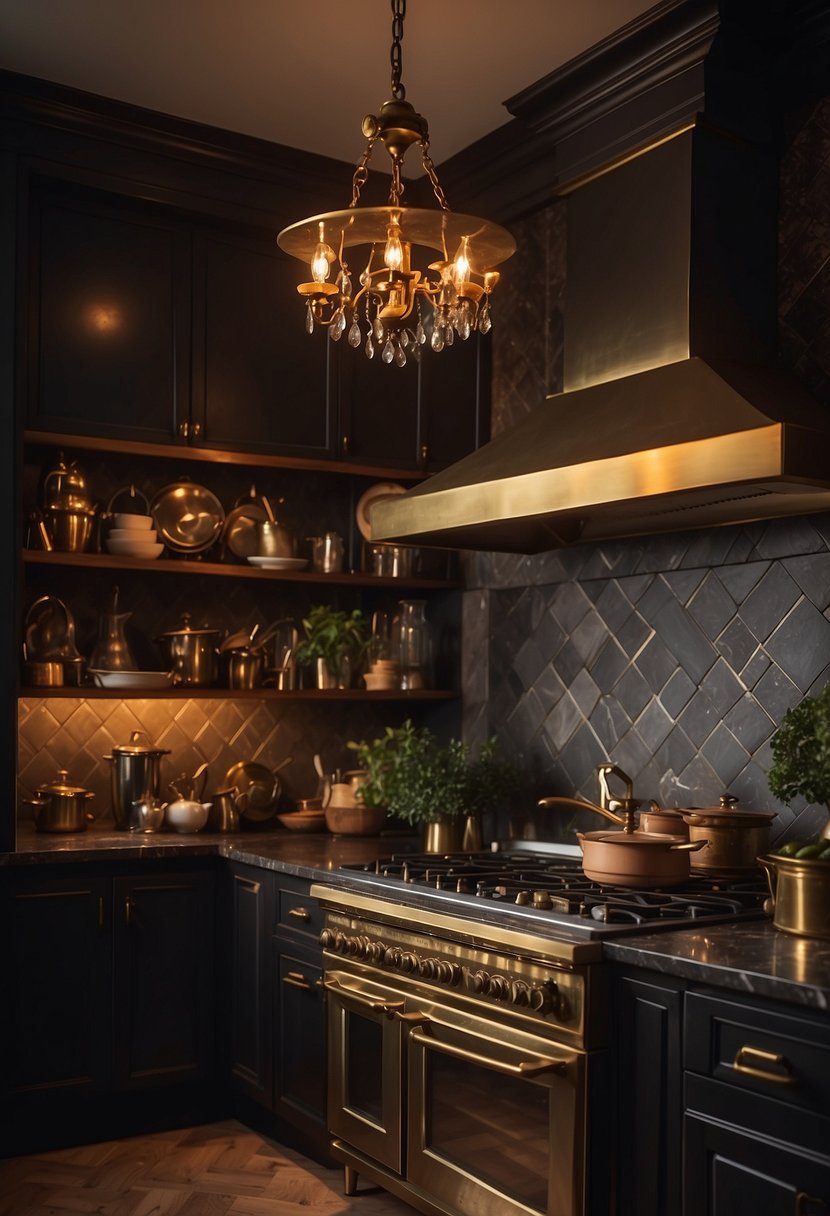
(527, 1068)
(390, 1008)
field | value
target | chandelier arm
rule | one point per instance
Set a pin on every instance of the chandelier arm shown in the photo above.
(432, 174)
(361, 173)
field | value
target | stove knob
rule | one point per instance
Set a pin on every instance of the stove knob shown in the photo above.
(392, 957)
(409, 961)
(340, 942)
(480, 981)
(427, 968)
(353, 945)
(447, 973)
(327, 938)
(455, 973)
(499, 987)
(375, 952)
(546, 997)
(519, 993)
(538, 998)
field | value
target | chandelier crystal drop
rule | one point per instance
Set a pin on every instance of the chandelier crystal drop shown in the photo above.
(405, 258)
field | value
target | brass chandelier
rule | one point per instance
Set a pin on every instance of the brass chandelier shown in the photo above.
(398, 307)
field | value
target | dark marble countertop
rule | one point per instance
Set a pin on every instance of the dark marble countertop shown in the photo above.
(751, 957)
(307, 854)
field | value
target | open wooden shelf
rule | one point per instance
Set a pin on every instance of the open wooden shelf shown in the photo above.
(88, 692)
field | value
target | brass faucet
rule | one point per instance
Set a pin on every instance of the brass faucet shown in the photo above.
(608, 804)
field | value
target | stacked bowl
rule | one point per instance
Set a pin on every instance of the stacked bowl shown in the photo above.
(133, 536)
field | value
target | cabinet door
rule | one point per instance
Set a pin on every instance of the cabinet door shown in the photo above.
(379, 422)
(260, 382)
(300, 1043)
(251, 1023)
(455, 400)
(109, 308)
(733, 1173)
(163, 952)
(648, 1022)
(55, 1003)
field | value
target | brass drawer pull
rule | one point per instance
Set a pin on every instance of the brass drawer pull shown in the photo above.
(299, 913)
(526, 1068)
(296, 979)
(746, 1054)
(809, 1205)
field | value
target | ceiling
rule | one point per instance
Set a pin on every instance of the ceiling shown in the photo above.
(304, 74)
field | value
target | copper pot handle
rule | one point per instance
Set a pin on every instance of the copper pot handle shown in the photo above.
(691, 846)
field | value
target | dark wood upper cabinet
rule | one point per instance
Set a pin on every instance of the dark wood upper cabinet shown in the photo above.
(109, 318)
(455, 401)
(379, 408)
(260, 382)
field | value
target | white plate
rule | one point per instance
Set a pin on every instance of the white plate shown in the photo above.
(376, 493)
(279, 563)
(131, 679)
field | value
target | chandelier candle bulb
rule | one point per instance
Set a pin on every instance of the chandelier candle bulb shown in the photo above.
(392, 291)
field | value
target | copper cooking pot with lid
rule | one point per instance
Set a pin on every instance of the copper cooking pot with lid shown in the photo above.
(734, 837)
(629, 858)
(61, 807)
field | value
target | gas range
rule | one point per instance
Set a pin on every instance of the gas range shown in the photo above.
(552, 892)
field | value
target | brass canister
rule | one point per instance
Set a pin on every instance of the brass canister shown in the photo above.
(799, 894)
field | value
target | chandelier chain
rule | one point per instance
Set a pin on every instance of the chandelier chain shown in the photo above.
(361, 173)
(395, 55)
(432, 174)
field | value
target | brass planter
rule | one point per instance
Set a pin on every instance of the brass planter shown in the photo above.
(443, 836)
(799, 894)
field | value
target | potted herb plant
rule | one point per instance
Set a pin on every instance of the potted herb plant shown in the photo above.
(801, 751)
(334, 644)
(441, 788)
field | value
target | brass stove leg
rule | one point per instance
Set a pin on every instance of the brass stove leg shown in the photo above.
(349, 1180)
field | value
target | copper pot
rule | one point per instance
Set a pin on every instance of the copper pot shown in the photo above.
(636, 859)
(662, 821)
(734, 838)
(61, 807)
(799, 895)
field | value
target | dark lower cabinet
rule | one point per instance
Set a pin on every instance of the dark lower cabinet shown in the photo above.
(648, 1024)
(107, 1003)
(163, 979)
(277, 1029)
(251, 896)
(757, 1108)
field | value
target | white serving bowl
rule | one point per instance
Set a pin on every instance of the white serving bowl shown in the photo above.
(132, 548)
(135, 537)
(135, 523)
(131, 679)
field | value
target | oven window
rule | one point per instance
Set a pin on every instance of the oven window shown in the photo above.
(494, 1127)
(364, 1076)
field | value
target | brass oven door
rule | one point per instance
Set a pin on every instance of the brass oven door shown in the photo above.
(496, 1119)
(365, 1037)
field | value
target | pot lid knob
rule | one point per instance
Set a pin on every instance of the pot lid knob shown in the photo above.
(727, 800)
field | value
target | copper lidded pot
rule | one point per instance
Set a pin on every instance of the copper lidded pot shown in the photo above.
(61, 807)
(734, 838)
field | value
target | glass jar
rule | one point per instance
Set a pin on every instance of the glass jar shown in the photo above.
(414, 644)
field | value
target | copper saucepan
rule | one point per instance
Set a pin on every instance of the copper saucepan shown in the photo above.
(734, 838)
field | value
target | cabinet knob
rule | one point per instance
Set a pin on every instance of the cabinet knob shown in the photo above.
(344, 445)
(195, 430)
(424, 453)
(184, 429)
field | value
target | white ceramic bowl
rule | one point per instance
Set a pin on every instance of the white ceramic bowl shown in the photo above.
(135, 523)
(132, 548)
(186, 816)
(135, 537)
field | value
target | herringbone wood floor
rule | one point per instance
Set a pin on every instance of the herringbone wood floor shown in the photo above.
(202, 1171)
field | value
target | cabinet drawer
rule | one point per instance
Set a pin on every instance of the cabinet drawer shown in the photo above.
(297, 912)
(752, 1047)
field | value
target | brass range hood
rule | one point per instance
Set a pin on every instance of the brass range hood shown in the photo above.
(674, 414)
